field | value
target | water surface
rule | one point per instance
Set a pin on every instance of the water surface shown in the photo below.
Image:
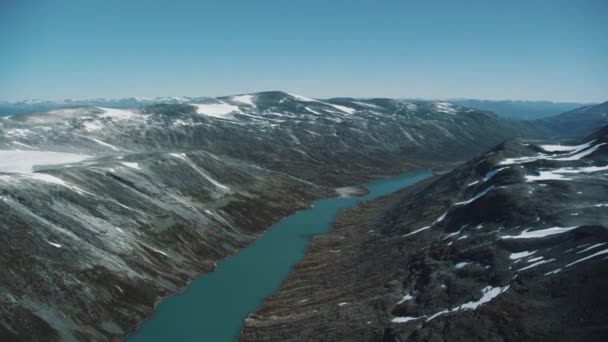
(213, 307)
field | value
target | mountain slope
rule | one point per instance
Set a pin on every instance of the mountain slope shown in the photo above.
(511, 246)
(577, 122)
(520, 110)
(28, 106)
(111, 210)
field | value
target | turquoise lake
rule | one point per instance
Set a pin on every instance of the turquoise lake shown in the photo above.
(214, 306)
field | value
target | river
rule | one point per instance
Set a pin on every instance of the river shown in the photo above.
(213, 307)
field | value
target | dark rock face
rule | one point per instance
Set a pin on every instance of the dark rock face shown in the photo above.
(90, 245)
(511, 246)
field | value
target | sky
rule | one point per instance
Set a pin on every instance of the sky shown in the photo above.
(532, 50)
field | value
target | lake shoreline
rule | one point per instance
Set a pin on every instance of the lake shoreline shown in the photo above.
(218, 266)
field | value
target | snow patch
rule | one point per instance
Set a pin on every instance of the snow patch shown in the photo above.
(216, 110)
(519, 255)
(131, 165)
(588, 257)
(54, 244)
(417, 231)
(445, 107)
(25, 161)
(479, 195)
(246, 99)
(343, 109)
(527, 234)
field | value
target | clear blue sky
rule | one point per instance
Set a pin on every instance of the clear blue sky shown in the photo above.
(534, 49)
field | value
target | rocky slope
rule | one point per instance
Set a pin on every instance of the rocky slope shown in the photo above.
(511, 246)
(577, 122)
(106, 211)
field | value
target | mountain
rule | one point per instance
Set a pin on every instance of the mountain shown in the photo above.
(519, 110)
(577, 122)
(511, 246)
(107, 211)
(35, 105)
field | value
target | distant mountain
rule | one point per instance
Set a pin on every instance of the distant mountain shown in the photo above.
(111, 210)
(34, 105)
(511, 246)
(577, 122)
(520, 110)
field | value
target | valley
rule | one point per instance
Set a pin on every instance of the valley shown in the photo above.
(113, 210)
(509, 246)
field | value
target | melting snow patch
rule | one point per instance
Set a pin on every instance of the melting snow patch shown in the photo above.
(103, 143)
(404, 319)
(405, 298)
(131, 165)
(488, 294)
(312, 111)
(556, 174)
(527, 234)
(91, 126)
(461, 264)
(479, 195)
(444, 107)
(417, 231)
(545, 175)
(343, 109)
(493, 173)
(472, 183)
(216, 110)
(554, 271)
(565, 148)
(246, 99)
(591, 247)
(535, 264)
(588, 257)
(24, 161)
(534, 259)
(54, 244)
(442, 217)
(302, 98)
(581, 154)
(519, 255)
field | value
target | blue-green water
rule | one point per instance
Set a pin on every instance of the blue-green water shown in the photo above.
(213, 307)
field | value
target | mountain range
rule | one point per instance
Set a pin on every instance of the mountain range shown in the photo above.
(510, 109)
(111, 210)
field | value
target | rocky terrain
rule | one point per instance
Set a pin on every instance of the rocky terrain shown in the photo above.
(104, 211)
(511, 246)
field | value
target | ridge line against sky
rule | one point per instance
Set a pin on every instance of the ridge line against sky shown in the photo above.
(140, 98)
(523, 50)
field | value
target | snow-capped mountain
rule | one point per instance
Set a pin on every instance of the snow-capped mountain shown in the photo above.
(36, 105)
(511, 245)
(109, 210)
